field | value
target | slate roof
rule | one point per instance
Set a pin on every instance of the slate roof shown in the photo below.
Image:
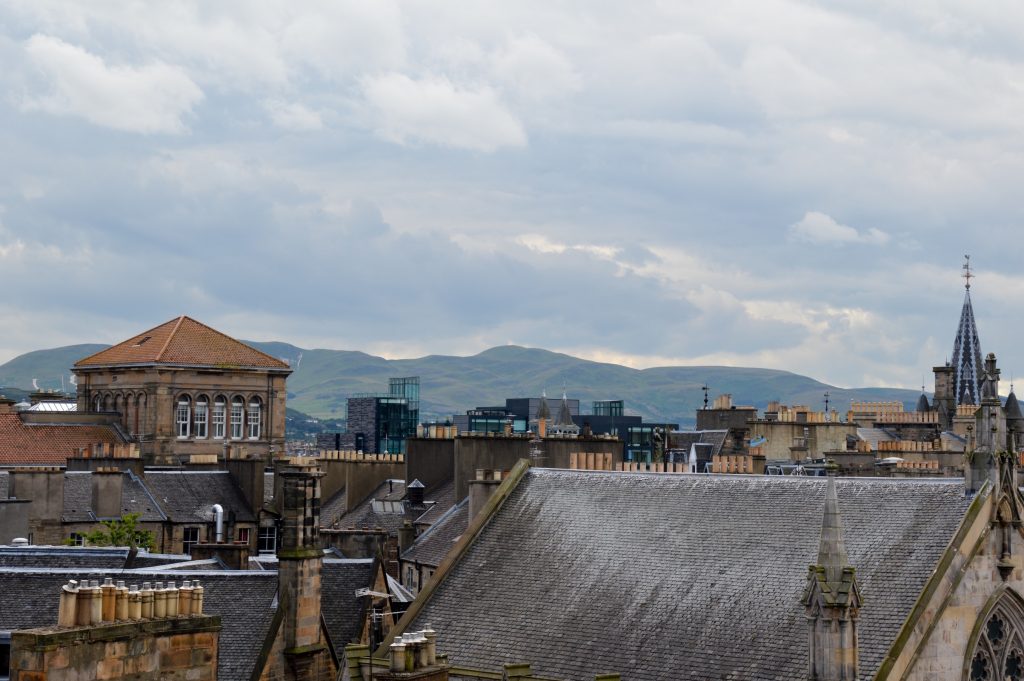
(332, 509)
(443, 496)
(685, 438)
(364, 514)
(183, 341)
(62, 557)
(189, 496)
(706, 570)
(245, 602)
(134, 498)
(343, 612)
(433, 545)
(49, 444)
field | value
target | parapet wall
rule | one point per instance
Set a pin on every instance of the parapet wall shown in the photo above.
(177, 649)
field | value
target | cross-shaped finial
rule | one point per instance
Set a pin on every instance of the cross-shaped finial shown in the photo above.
(967, 271)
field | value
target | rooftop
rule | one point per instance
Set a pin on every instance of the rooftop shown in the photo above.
(183, 341)
(570, 556)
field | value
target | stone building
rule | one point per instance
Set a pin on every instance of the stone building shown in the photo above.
(669, 576)
(183, 388)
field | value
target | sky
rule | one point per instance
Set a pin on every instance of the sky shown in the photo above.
(777, 184)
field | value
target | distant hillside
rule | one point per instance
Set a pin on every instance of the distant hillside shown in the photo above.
(323, 379)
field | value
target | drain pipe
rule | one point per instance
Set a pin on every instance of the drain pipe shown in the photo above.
(218, 515)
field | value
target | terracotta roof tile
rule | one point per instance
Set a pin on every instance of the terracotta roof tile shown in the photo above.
(183, 341)
(49, 444)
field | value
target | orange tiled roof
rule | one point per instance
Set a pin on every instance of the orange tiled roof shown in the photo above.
(48, 444)
(183, 341)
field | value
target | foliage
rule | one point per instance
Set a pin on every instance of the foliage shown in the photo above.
(123, 531)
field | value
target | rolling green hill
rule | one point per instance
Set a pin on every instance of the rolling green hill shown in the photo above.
(323, 379)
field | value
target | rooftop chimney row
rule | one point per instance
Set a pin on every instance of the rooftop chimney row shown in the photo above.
(87, 603)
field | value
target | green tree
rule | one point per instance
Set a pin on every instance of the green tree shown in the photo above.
(123, 531)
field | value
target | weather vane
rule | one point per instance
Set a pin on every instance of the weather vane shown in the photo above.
(967, 271)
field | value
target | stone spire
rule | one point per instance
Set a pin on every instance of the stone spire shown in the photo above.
(832, 601)
(832, 551)
(966, 362)
(564, 413)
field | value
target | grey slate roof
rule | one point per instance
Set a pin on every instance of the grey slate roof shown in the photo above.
(62, 557)
(671, 576)
(245, 602)
(343, 612)
(433, 545)
(135, 498)
(685, 438)
(443, 496)
(189, 496)
(332, 509)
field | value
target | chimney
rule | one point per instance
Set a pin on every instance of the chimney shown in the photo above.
(107, 486)
(406, 536)
(300, 560)
(481, 489)
(249, 476)
(6, 405)
(44, 487)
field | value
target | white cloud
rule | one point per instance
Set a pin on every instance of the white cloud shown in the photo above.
(433, 110)
(146, 99)
(293, 116)
(820, 228)
(535, 69)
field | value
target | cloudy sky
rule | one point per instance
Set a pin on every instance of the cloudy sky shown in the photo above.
(778, 184)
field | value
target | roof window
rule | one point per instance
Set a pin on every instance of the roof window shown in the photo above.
(142, 341)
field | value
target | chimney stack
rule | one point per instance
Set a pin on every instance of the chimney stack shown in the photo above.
(300, 560)
(107, 486)
(481, 489)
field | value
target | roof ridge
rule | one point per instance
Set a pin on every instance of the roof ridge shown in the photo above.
(98, 352)
(230, 338)
(170, 336)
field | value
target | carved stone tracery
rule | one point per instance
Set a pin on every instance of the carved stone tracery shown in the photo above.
(999, 651)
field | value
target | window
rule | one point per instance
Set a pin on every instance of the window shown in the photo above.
(237, 412)
(181, 418)
(267, 540)
(202, 411)
(77, 539)
(254, 420)
(243, 535)
(219, 408)
(999, 650)
(190, 537)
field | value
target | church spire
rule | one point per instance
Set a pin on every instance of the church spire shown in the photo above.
(832, 551)
(966, 361)
(832, 601)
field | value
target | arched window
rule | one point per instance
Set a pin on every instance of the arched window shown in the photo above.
(182, 416)
(97, 404)
(220, 406)
(139, 405)
(121, 409)
(999, 650)
(108, 403)
(237, 417)
(254, 419)
(201, 416)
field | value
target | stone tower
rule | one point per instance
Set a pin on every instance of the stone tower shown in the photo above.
(300, 560)
(832, 602)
